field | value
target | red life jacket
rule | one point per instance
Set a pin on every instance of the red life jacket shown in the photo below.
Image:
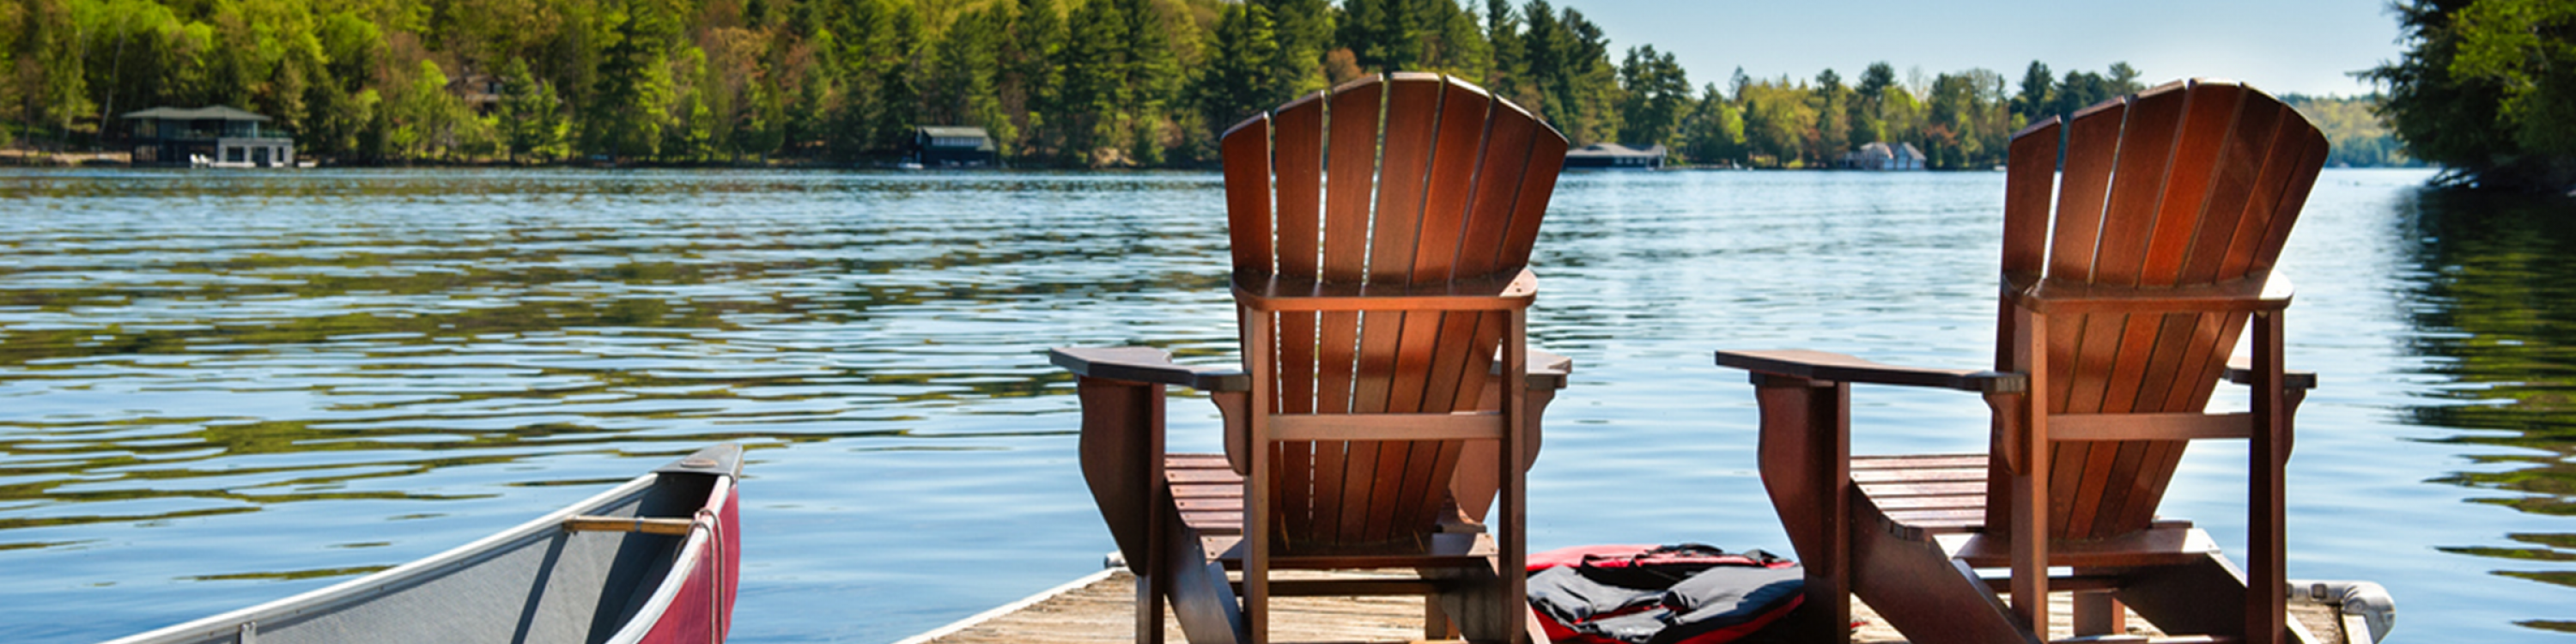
(1679, 594)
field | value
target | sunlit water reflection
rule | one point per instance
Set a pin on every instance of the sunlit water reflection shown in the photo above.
(222, 388)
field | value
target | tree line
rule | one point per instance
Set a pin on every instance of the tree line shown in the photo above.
(2487, 89)
(1067, 83)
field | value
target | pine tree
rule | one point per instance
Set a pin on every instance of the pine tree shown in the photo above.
(530, 122)
(1655, 93)
(1240, 79)
(627, 113)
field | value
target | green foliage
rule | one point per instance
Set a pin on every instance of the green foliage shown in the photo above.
(1714, 130)
(531, 118)
(2487, 88)
(1832, 135)
(626, 111)
(1568, 59)
(430, 121)
(1778, 123)
(1241, 77)
(1967, 125)
(2357, 135)
(1303, 30)
(1654, 92)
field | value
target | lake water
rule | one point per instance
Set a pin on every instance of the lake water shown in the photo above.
(221, 388)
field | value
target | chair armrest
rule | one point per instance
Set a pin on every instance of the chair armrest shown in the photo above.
(2240, 370)
(1546, 370)
(1146, 364)
(1835, 367)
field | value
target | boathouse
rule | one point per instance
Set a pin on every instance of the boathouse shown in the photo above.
(1615, 156)
(1884, 156)
(215, 135)
(940, 146)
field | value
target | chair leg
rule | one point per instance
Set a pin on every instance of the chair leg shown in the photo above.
(1435, 622)
(1824, 615)
(2187, 599)
(1200, 597)
(1925, 594)
(2099, 613)
(1149, 607)
(1805, 456)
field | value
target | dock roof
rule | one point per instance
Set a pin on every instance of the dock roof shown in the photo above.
(1615, 150)
(210, 112)
(955, 131)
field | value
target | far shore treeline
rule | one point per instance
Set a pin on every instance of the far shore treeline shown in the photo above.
(1058, 83)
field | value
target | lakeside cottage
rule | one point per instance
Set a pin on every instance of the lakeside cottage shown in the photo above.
(1615, 156)
(940, 146)
(213, 136)
(1882, 155)
(481, 92)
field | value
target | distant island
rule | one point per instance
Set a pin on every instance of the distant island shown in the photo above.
(1049, 83)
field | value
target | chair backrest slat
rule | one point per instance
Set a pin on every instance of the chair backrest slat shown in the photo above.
(2030, 179)
(2186, 184)
(1247, 193)
(1299, 162)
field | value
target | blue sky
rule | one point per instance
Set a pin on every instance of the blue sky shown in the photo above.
(2280, 46)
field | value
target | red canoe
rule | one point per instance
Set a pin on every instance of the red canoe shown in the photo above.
(654, 561)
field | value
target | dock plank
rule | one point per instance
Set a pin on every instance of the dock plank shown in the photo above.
(1103, 612)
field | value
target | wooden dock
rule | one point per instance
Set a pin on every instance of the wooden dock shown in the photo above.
(1100, 609)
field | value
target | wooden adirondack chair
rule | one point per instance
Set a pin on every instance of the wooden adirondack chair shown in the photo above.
(2116, 326)
(1380, 233)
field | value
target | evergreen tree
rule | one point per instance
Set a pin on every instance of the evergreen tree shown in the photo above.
(1867, 112)
(352, 48)
(2124, 79)
(626, 114)
(1035, 76)
(1714, 133)
(1833, 133)
(1095, 88)
(1457, 46)
(530, 123)
(1240, 80)
(1655, 93)
(1507, 72)
(1152, 76)
(698, 120)
(1385, 35)
(2038, 91)
(1304, 32)
(48, 84)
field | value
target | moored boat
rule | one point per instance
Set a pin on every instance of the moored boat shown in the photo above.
(653, 561)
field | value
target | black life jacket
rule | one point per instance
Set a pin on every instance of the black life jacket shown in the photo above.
(1680, 594)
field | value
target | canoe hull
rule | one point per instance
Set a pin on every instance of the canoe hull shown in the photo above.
(537, 582)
